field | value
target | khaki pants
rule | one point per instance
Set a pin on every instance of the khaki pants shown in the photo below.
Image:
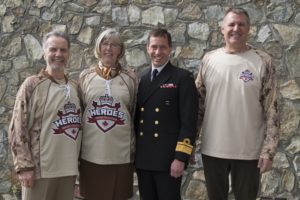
(61, 188)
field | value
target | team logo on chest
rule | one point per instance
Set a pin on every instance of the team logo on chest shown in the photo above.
(105, 114)
(246, 76)
(69, 121)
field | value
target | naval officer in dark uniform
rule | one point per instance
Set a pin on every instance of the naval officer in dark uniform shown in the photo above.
(165, 122)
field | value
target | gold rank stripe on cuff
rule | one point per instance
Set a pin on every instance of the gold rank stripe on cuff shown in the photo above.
(184, 147)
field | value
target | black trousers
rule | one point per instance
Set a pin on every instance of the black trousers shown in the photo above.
(245, 178)
(157, 185)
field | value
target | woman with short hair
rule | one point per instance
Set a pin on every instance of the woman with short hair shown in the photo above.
(108, 91)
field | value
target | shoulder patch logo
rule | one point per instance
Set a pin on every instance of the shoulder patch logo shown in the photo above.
(105, 114)
(246, 76)
(69, 121)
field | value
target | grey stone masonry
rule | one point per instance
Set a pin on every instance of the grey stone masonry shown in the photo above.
(194, 25)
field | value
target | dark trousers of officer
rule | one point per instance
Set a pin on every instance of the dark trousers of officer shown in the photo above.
(245, 178)
(157, 185)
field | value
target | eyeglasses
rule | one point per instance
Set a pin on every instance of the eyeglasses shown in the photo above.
(112, 45)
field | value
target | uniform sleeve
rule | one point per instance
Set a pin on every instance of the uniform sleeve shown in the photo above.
(270, 107)
(18, 135)
(188, 108)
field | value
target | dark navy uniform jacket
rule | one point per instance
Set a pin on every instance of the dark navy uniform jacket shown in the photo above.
(166, 117)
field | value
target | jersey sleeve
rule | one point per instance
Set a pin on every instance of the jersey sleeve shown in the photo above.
(18, 135)
(268, 99)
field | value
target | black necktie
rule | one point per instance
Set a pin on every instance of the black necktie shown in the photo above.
(154, 74)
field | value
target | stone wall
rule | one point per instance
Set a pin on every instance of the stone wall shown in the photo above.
(194, 25)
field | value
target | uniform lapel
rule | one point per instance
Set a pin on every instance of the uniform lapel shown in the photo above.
(144, 86)
(148, 87)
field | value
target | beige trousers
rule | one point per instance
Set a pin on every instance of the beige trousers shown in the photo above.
(61, 188)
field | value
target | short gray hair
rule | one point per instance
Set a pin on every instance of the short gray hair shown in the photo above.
(109, 33)
(56, 34)
(238, 11)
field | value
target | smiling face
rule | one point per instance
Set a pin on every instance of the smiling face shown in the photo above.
(56, 53)
(159, 50)
(235, 29)
(110, 50)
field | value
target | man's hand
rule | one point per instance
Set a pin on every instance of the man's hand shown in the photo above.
(177, 168)
(26, 178)
(264, 164)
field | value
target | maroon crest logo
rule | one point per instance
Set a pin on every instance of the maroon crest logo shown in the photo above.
(246, 76)
(69, 121)
(105, 114)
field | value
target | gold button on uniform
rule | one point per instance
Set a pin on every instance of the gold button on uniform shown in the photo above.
(141, 121)
(141, 133)
(156, 109)
(156, 135)
(142, 109)
(156, 122)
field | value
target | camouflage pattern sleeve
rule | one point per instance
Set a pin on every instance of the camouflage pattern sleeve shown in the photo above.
(268, 100)
(18, 135)
(202, 94)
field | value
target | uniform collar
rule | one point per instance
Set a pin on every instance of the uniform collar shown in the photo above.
(160, 68)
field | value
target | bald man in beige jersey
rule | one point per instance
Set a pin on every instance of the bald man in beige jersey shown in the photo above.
(238, 93)
(45, 131)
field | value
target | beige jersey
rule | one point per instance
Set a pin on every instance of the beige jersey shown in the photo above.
(108, 136)
(45, 129)
(240, 120)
